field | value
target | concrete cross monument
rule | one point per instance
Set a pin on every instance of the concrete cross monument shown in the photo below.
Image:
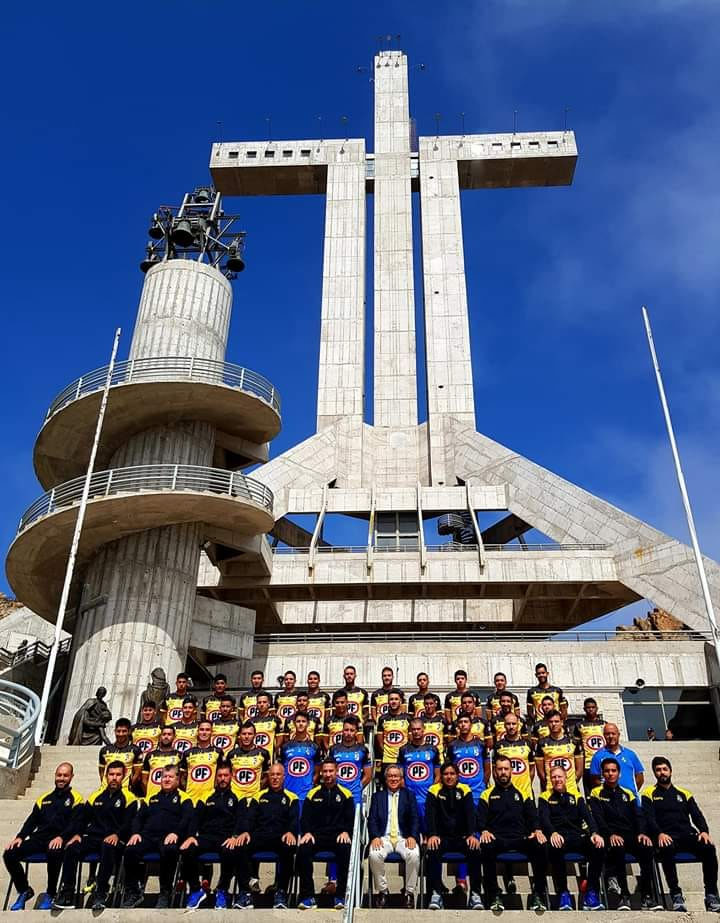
(397, 472)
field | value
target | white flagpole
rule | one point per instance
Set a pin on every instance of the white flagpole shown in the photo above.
(683, 490)
(69, 570)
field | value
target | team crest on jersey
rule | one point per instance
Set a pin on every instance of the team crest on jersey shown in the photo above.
(348, 772)
(118, 803)
(517, 797)
(201, 773)
(418, 772)
(679, 797)
(298, 766)
(68, 802)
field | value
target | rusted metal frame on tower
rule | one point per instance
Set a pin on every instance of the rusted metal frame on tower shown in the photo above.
(316, 530)
(421, 531)
(476, 528)
(371, 528)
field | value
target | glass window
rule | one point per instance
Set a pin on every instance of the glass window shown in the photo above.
(691, 694)
(642, 694)
(641, 717)
(691, 722)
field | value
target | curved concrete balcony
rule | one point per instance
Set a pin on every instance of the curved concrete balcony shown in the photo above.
(123, 501)
(146, 393)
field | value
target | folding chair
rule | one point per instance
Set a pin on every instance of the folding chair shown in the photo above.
(444, 859)
(34, 859)
(681, 858)
(578, 858)
(152, 858)
(274, 858)
(513, 856)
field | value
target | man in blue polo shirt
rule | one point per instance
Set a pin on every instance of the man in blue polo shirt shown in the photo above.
(632, 775)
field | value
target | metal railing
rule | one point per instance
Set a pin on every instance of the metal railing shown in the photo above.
(355, 638)
(447, 547)
(19, 712)
(151, 478)
(353, 892)
(170, 368)
(37, 652)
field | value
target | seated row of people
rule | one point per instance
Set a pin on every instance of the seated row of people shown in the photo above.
(169, 827)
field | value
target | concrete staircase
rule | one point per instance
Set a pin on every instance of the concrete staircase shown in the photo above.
(695, 766)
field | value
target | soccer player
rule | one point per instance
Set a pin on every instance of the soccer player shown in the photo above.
(354, 766)
(157, 760)
(225, 726)
(393, 826)
(416, 702)
(470, 756)
(103, 827)
(357, 698)
(248, 700)
(271, 825)
(42, 832)
(557, 749)
(379, 698)
(540, 727)
(452, 699)
(623, 826)
(313, 731)
(172, 707)
(450, 827)
(146, 733)
(286, 699)
(508, 820)
(318, 701)
(479, 728)
(326, 824)
(198, 765)
(589, 731)
(267, 725)
(123, 750)
(215, 825)
(392, 728)
(570, 827)
(436, 727)
(336, 721)
(186, 727)
(492, 703)
(632, 773)
(513, 746)
(497, 722)
(543, 688)
(161, 824)
(420, 763)
(676, 823)
(249, 763)
(211, 703)
(300, 757)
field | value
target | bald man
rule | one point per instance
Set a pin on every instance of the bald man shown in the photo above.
(632, 772)
(55, 816)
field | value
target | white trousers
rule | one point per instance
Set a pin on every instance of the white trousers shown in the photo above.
(411, 858)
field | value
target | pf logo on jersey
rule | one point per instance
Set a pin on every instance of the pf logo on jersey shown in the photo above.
(144, 744)
(348, 772)
(418, 772)
(595, 742)
(432, 739)
(201, 773)
(222, 741)
(468, 767)
(298, 766)
(156, 775)
(562, 762)
(518, 766)
(286, 711)
(353, 708)
(252, 711)
(175, 714)
(182, 745)
(395, 737)
(245, 776)
(262, 739)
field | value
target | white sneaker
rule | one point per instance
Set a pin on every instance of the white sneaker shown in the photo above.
(436, 902)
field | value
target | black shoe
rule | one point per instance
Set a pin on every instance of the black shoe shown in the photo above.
(381, 900)
(65, 900)
(409, 901)
(132, 899)
(99, 901)
(163, 901)
(624, 903)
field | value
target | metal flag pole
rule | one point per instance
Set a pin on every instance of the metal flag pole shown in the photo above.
(683, 489)
(69, 570)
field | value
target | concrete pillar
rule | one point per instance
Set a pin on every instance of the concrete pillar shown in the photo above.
(395, 378)
(150, 578)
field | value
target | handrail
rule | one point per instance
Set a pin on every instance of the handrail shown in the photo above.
(37, 652)
(354, 879)
(475, 636)
(169, 368)
(431, 549)
(17, 735)
(149, 478)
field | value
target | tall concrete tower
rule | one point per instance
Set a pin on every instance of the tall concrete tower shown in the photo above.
(180, 424)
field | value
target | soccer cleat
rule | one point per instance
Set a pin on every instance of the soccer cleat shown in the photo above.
(648, 902)
(22, 899)
(45, 902)
(565, 902)
(132, 899)
(537, 903)
(99, 901)
(436, 901)
(712, 903)
(497, 905)
(65, 900)
(307, 903)
(624, 902)
(592, 901)
(475, 902)
(243, 901)
(195, 899)
(613, 885)
(222, 899)
(339, 903)
(678, 902)
(281, 901)
(163, 901)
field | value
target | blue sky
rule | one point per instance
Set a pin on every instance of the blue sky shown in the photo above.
(113, 109)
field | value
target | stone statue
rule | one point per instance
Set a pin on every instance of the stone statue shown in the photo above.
(157, 690)
(88, 725)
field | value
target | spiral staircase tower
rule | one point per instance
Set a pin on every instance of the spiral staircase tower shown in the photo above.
(164, 480)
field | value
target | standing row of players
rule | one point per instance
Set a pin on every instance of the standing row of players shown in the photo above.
(420, 732)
